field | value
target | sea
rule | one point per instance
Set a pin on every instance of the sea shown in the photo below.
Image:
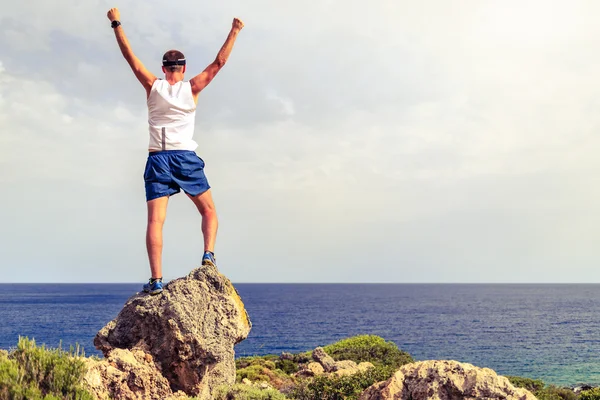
(541, 331)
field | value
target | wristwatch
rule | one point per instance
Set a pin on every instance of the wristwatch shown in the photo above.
(115, 23)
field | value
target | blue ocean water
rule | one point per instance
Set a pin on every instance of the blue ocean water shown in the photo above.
(551, 332)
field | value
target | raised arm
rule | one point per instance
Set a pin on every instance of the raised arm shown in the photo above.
(145, 77)
(200, 81)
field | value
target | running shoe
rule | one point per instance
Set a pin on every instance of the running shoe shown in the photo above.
(154, 286)
(209, 259)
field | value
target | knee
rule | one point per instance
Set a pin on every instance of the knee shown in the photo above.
(154, 221)
(208, 210)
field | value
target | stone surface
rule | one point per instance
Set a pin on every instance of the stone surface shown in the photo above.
(326, 361)
(345, 368)
(349, 367)
(445, 380)
(126, 375)
(186, 334)
(311, 369)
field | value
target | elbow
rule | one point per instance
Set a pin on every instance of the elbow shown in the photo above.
(220, 61)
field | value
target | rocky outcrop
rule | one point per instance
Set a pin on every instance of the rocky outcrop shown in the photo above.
(180, 340)
(325, 364)
(445, 380)
(127, 375)
(326, 361)
(311, 369)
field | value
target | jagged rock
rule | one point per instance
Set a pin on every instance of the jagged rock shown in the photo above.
(286, 356)
(188, 332)
(445, 380)
(311, 369)
(326, 361)
(127, 375)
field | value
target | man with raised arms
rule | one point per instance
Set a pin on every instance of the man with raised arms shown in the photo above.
(172, 162)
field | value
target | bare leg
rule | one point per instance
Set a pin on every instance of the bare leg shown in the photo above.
(157, 212)
(206, 207)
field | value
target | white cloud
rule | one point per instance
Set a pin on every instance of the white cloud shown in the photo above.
(458, 139)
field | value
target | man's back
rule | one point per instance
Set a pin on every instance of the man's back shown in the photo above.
(171, 116)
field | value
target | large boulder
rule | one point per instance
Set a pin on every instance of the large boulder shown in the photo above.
(445, 380)
(188, 332)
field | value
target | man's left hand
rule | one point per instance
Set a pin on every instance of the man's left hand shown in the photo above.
(113, 14)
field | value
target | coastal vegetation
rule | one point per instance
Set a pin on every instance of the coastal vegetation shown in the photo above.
(32, 372)
(35, 372)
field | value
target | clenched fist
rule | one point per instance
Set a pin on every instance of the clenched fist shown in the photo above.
(237, 24)
(113, 14)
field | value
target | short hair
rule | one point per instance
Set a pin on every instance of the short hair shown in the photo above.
(174, 55)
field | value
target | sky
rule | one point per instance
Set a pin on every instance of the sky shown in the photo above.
(345, 141)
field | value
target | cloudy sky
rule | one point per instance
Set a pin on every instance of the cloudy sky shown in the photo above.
(345, 141)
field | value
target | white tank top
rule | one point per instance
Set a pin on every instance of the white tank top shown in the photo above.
(171, 115)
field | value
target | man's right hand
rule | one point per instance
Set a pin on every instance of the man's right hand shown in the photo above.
(237, 24)
(113, 14)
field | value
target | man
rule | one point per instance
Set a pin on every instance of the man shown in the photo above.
(172, 163)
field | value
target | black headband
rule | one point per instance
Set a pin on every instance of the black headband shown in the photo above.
(180, 61)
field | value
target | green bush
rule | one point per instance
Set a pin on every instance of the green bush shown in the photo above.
(368, 348)
(555, 393)
(245, 392)
(533, 385)
(263, 369)
(254, 360)
(343, 387)
(591, 394)
(287, 366)
(38, 373)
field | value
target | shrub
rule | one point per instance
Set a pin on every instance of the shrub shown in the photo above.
(591, 394)
(263, 369)
(247, 361)
(533, 385)
(245, 392)
(555, 393)
(341, 388)
(368, 348)
(287, 366)
(33, 373)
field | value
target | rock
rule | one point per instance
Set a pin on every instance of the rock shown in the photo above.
(286, 356)
(580, 388)
(349, 367)
(326, 361)
(247, 381)
(365, 365)
(445, 380)
(311, 369)
(3, 353)
(130, 376)
(263, 386)
(186, 334)
(345, 368)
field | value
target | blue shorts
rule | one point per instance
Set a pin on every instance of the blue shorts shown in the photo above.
(169, 171)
